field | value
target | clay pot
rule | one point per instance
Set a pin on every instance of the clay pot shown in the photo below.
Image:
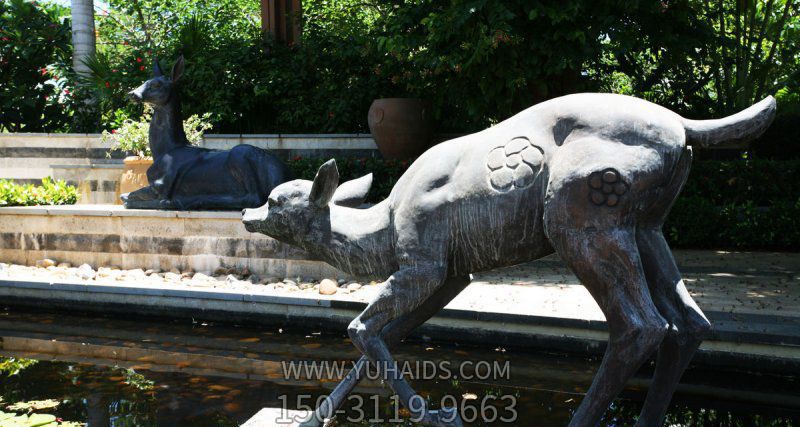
(402, 127)
(134, 176)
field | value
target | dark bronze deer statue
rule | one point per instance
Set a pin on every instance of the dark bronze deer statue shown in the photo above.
(589, 176)
(192, 178)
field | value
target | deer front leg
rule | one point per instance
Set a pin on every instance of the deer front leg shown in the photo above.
(404, 292)
(392, 335)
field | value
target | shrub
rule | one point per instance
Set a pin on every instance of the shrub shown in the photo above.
(133, 136)
(34, 59)
(49, 193)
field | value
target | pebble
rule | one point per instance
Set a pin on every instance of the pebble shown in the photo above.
(354, 286)
(231, 279)
(222, 271)
(151, 271)
(86, 272)
(174, 271)
(172, 277)
(290, 282)
(137, 273)
(341, 282)
(44, 263)
(64, 265)
(202, 277)
(304, 286)
(328, 287)
(253, 278)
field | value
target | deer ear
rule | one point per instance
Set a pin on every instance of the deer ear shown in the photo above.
(177, 69)
(325, 184)
(352, 193)
(157, 68)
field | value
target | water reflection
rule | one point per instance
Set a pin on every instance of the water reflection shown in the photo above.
(112, 372)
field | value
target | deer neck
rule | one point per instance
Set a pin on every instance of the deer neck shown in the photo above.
(166, 127)
(357, 241)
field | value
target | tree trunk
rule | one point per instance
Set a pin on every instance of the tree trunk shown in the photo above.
(83, 38)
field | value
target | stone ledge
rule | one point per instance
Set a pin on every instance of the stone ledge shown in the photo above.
(283, 141)
(115, 211)
(110, 235)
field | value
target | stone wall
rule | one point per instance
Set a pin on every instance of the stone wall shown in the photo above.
(128, 238)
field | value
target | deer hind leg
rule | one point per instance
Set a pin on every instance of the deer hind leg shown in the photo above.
(591, 212)
(405, 291)
(392, 334)
(687, 323)
(607, 263)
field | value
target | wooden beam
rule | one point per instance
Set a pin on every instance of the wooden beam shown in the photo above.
(282, 19)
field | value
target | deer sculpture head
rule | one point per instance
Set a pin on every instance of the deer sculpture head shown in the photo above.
(160, 89)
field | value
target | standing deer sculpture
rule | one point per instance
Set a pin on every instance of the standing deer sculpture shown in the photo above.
(186, 177)
(589, 176)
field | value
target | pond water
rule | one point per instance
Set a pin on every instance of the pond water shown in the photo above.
(139, 372)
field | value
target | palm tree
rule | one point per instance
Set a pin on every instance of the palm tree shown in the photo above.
(83, 38)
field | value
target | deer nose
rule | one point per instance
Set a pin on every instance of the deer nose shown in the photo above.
(244, 211)
(134, 96)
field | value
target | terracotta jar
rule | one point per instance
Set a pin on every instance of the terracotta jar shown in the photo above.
(134, 176)
(402, 127)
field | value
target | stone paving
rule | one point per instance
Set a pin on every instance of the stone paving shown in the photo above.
(735, 283)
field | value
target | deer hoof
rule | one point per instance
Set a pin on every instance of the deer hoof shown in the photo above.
(445, 417)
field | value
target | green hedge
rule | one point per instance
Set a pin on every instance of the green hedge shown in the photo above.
(738, 204)
(741, 204)
(49, 193)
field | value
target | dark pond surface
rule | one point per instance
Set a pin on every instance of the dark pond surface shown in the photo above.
(137, 372)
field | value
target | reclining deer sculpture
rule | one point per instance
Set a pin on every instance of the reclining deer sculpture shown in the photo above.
(186, 177)
(589, 176)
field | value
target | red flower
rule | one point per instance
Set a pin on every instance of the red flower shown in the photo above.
(141, 68)
(44, 71)
(114, 71)
(108, 85)
(296, 158)
(138, 59)
(5, 39)
(113, 131)
(66, 91)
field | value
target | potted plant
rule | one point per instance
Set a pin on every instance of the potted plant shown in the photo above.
(402, 125)
(132, 137)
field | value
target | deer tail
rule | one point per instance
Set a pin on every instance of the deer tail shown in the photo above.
(741, 127)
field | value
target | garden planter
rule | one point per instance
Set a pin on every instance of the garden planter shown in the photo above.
(402, 127)
(134, 176)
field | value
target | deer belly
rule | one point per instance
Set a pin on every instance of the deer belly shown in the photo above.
(498, 232)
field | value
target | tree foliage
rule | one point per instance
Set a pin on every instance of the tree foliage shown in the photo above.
(34, 51)
(478, 61)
